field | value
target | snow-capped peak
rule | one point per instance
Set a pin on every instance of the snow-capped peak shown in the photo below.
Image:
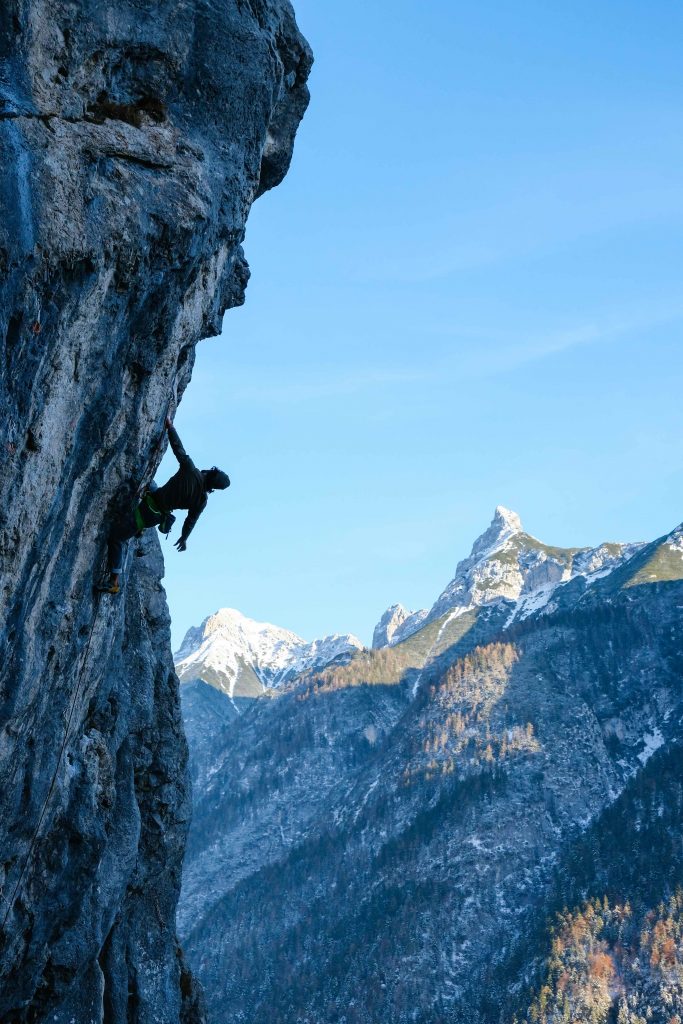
(243, 657)
(507, 564)
(504, 525)
(505, 517)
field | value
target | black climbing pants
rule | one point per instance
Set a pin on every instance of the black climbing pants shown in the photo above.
(130, 525)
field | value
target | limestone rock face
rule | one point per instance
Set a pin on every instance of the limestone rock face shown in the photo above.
(393, 619)
(134, 137)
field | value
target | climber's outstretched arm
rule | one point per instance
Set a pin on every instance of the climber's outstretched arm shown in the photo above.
(177, 446)
(189, 524)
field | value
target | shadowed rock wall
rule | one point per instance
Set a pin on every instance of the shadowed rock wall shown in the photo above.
(134, 137)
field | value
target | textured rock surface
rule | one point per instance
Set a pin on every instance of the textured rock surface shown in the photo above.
(392, 853)
(133, 140)
(391, 621)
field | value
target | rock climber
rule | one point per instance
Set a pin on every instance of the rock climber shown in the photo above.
(187, 489)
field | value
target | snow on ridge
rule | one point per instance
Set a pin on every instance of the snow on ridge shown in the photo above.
(675, 540)
(505, 565)
(229, 643)
(392, 622)
(411, 625)
(508, 565)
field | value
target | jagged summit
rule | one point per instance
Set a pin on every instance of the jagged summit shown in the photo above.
(243, 657)
(506, 564)
(231, 622)
(504, 525)
(393, 619)
(506, 519)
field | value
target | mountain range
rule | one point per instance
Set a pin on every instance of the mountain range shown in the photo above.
(388, 836)
(244, 658)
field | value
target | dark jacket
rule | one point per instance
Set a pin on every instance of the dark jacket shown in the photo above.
(184, 490)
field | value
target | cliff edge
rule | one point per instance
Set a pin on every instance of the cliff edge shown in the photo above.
(134, 134)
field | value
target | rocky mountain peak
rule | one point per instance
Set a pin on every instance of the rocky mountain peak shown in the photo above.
(508, 564)
(243, 657)
(393, 619)
(230, 622)
(505, 524)
(223, 618)
(506, 517)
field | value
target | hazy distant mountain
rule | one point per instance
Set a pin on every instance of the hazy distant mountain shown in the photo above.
(387, 840)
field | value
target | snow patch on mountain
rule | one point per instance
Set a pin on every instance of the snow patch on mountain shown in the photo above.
(675, 540)
(652, 742)
(507, 564)
(243, 657)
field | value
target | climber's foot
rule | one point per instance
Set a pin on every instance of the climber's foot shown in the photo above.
(108, 585)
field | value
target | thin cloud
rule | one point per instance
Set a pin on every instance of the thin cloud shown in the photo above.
(474, 354)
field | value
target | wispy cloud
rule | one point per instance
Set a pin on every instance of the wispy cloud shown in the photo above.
(557, 342)
(464, 354)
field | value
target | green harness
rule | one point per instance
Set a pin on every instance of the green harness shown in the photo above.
(154, 509)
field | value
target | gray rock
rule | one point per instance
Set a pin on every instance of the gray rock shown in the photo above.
(393, 619)
(134, 138)
(507, 564)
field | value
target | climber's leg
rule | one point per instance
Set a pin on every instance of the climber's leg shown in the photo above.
(121, 532)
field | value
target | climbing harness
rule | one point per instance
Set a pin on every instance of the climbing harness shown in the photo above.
(165, 520)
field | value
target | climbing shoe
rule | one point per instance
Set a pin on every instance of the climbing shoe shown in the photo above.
(107, 587)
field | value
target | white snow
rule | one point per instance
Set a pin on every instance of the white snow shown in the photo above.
(532, 602)
(653, 741)
(676, 540)
(365, 799)
(409, 626)
(228, 641)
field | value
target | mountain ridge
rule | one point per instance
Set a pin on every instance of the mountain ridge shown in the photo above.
(244, 657)
(507, 567)
(446, 791)
(506, 563)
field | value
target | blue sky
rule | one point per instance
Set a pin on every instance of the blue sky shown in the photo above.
(466, 292)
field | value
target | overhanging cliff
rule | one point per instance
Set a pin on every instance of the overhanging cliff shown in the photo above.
(134, 137)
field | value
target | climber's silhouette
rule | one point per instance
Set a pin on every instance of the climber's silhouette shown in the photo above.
(187, 489)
